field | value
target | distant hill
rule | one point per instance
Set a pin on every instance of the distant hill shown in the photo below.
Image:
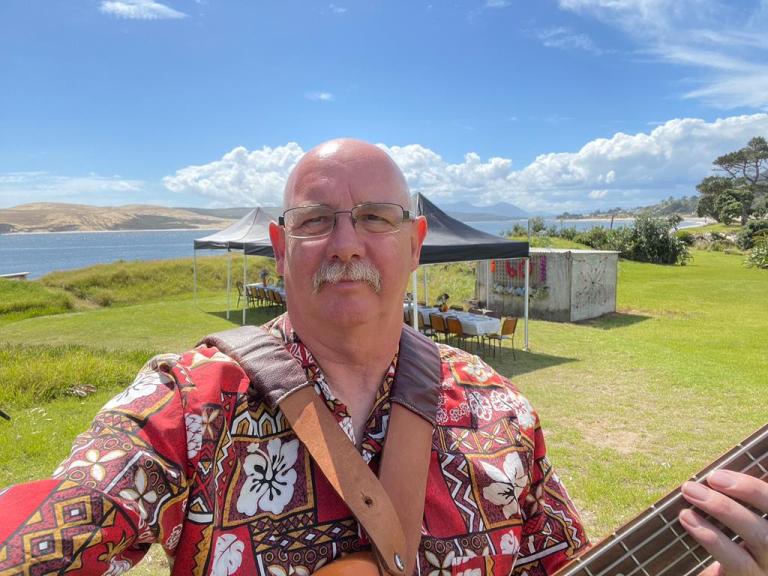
(233, 213)
(684, 206)
(60, 217)
(467, 212)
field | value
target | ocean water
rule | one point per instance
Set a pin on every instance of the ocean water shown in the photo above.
(40, 254)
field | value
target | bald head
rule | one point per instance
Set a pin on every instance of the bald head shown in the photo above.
(347, 164)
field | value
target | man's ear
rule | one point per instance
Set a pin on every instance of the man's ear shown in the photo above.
(277, 237)
(418, 234)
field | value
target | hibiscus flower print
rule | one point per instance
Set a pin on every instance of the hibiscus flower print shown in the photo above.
(477, 370)
(270, 477)
(144, 385)
(509, 543)
(507, 484)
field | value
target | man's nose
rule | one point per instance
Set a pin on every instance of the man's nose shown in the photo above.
(344, 242)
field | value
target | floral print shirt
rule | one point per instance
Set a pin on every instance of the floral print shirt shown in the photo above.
(180, 459)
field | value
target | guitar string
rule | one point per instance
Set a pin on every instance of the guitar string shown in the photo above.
(742, 449)
(670, 525)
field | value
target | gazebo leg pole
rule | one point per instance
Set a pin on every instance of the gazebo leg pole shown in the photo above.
(415, 308)
(526, 260)
(229, 278)
(194, 274)
(245, 290)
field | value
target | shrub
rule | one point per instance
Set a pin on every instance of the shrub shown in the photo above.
(537, 225)
(601, 238)
(686, 237)
(747, 236)
(649, 239)
(758, 256)
(569, 233)
(653, 241)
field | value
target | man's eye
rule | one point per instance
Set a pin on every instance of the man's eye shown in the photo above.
(315, 220)
(373, 218)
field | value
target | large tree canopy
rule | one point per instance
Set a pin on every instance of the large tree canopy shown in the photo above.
(742, 188)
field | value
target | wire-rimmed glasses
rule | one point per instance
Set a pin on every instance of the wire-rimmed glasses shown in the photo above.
(319, 220)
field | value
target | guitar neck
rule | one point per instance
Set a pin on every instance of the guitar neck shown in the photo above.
(655, 543)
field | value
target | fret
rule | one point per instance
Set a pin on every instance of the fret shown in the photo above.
(757, 463)
(651, 544)
(636, 561)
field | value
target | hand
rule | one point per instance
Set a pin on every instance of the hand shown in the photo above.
(720, 502)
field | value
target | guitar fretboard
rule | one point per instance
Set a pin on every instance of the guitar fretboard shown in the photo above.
(655, 543)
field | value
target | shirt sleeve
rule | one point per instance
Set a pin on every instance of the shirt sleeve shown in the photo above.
(552, 532)
(122, 488)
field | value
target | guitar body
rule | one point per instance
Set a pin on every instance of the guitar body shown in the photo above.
(356, 564)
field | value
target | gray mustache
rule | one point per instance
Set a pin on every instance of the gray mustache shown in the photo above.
(354, 270)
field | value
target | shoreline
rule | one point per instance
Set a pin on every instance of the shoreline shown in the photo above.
(109, 231)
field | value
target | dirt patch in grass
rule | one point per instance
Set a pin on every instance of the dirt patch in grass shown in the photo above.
(625, 442)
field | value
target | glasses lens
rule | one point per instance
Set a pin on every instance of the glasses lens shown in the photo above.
(307, 221)
(378, 218)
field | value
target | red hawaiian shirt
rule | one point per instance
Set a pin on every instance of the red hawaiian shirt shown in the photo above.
(180, 459)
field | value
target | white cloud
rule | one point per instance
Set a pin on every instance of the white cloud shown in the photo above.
(566, 39)
(625, 169)
(337, 9)
(240, 177)
(319, 96)
(724, 45)
(139, 10)
(497, 3)
(22, 187)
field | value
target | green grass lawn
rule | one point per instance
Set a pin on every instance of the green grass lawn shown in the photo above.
(632, 403)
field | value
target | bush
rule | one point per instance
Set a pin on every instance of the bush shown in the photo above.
(569, 233)
(601, 238)
(686, 237)
(653, 241)
(747, 236)
(758, 256)
(649, 239)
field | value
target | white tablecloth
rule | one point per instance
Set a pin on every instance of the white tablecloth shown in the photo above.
(277, 289)
(473, 324)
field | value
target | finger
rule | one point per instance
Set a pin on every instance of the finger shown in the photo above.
(752, 528)
(746, 488)
(713, 570)
(732, 558)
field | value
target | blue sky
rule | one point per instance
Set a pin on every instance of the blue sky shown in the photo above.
(550, 105)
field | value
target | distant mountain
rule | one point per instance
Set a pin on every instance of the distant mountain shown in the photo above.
(60, 217)
(233, 213)
(467, 212)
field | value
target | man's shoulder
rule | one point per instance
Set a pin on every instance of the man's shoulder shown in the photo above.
(202, 367)
(474, 394)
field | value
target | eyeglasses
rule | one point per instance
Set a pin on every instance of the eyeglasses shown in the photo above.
(319, 220)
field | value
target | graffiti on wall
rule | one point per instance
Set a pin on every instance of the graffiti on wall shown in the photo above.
(508, 276)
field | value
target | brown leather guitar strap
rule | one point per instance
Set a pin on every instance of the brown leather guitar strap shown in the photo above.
(390, 508)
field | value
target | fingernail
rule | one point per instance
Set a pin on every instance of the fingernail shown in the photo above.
(696, 491)
(690, 518)
(722, 479)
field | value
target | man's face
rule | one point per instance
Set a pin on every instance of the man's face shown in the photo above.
(341, 177)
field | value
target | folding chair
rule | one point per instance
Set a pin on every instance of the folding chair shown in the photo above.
(507, 332)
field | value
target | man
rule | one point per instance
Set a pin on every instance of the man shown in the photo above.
(184, 459)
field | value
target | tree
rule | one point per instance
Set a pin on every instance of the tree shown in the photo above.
(744, 181)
